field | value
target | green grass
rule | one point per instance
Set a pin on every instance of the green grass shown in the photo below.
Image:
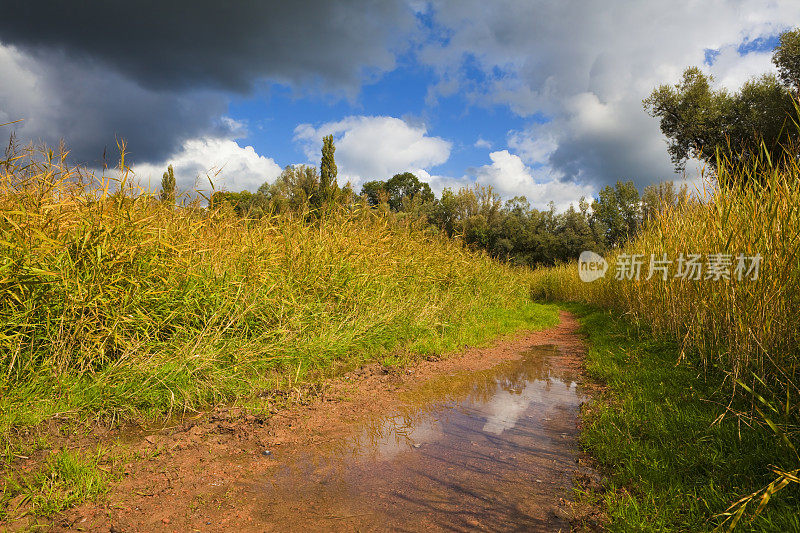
(672, 465)
(132, 393)
(68, 478)
(65, 479)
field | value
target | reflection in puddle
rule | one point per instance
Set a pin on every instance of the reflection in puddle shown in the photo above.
(491, 450)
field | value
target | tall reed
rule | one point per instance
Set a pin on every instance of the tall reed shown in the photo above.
(737, 325)
(157, 305)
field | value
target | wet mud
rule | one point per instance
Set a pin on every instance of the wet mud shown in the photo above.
(490, 450)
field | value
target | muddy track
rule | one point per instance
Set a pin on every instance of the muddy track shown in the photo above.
(485, 439)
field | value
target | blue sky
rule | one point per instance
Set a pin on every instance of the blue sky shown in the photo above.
(535, 98)
(271, 115)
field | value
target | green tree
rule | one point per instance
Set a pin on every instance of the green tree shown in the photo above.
(244, 203)
(656, 198)
(328, 187)
(703, 122)
(168, 186)
(786, 59)
(296, 189)
(375, 192)
(445, 212)
(404, 188)
(618, 209)
(574, 235)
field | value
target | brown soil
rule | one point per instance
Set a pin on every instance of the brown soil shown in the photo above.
(203, 474)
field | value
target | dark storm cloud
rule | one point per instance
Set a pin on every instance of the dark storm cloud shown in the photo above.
(158, 73)
(218, 44)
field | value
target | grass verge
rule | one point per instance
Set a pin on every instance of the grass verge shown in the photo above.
(673, 461)
(65, 478)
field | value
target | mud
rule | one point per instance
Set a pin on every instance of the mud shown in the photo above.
(488, 450)
(485, 439)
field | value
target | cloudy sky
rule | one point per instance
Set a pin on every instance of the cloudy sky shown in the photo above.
(536, 98)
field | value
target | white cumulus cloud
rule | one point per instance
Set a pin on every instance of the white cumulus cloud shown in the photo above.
(509, 176)
(374, 147)
(231, 166)
(586, 66)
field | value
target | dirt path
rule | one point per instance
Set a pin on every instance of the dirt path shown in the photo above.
(483, 440)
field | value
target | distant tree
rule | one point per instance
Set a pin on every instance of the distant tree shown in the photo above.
(519, 206)
(244, 203)
(515, 231)
(403, 192)
(347, 195)
(618, 210)
(445, 212)
(657, 198)
(297, 188)
(787, 59)
(574, 235)
(406, 187)
(327, 169)
(168, 186)
(702, 122)
(375, 192)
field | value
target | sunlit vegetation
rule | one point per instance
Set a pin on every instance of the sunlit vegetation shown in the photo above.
(116, 304)
(512, 231)
(715, 358)
(676, 448)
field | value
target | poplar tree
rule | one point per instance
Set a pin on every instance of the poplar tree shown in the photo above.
(168, 186)
(327, 179)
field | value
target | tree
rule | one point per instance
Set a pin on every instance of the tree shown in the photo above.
(445, 212)
(168, 186)
(375, 192)
(691, 116)
(297, 188)
(787, 59)
(657, 198)
(406, 187)
(327, 169)
(705, 123)
(244, 203)
(618, 209)
(402, 192)
(575, 235)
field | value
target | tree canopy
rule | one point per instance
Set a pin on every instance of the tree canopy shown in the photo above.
(398, 191)
(703, 122)
(512, 231)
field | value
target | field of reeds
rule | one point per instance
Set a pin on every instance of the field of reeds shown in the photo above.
(746, 327)
(115, 305)
(737, 339)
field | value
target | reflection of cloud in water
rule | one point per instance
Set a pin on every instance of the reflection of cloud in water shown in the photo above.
(502, 410)
(505, 408)
(462, 406)
(462, 448)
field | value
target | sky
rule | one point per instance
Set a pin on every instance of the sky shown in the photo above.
(535, 98)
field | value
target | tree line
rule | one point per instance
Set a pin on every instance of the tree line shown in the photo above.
(512, 231)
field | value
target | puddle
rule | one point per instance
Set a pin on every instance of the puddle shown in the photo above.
(492, 450)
